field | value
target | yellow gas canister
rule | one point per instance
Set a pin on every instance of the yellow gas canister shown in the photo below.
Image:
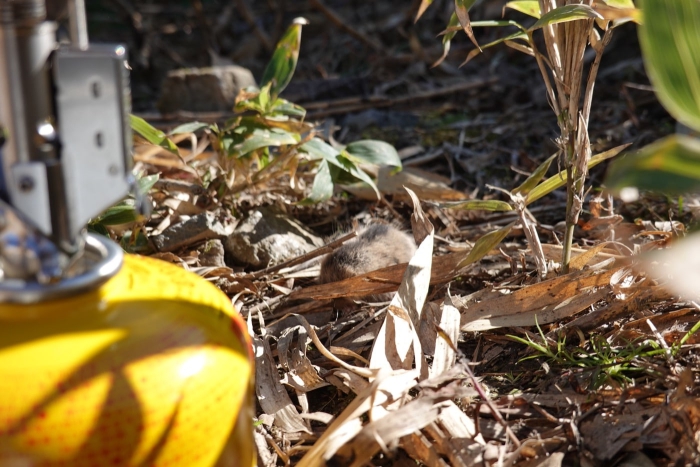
(153, 367)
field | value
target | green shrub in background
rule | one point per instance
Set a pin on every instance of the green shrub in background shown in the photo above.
(268, 138)
(670, 40)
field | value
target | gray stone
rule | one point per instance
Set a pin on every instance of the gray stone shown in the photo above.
(197, 228)
(267, 238)
(211, 253)
(203, 89)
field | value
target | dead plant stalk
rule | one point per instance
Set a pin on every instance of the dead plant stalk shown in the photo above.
(565, 45)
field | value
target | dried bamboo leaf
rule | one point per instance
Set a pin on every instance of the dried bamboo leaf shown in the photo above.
(386, 432)
(384, 280)
(544, 302)
(386, 387)
(419, 448)
(271, 394)
(445, 356)
(397, 345)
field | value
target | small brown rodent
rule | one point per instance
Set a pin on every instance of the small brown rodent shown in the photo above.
(376, 247)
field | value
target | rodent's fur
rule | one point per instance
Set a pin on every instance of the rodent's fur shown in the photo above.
(376, 247)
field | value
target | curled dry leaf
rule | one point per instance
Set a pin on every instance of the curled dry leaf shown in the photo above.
(300, 374)
(420, 224)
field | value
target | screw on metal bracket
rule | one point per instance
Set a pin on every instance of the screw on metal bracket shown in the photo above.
(26, 184)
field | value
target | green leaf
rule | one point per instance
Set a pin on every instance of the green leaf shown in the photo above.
(322, 188)
(529, 7)
(319, 149)
(619, 3)
(191, 127)
(262, 137)
(492, 23)
(485, 244)
(477, 204)
(256, 101)
(350, 167)
(559, 180)
(151, 134)
(536, 177)
(122, 213)
(374, 152)
(449, 33)
(284, 107)
(146, 183)
(520, 35)
(670, 165)
(96, 227)
(566, 13)
(670, 41)
(281, 68)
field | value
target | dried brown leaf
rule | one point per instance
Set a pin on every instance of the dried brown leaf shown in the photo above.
(544, 302)
(427, 186)
(387, 387)
(271, 394)
(397, 345)
(445, 356)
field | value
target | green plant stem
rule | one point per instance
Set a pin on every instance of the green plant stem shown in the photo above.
(570, 204)
(567, 243)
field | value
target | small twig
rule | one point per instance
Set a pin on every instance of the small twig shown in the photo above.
(204, 25)
(321, 109)
(266, 305)
(303, 258)
(249, 18)
(486, 400)
(180, 186)
(355, 104)
(338, 21)
(389, 206)
(662, 342)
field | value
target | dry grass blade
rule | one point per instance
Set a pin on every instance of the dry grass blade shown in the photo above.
(365, 372)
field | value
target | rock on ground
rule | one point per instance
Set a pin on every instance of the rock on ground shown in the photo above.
(267, 238)
(203, 89)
